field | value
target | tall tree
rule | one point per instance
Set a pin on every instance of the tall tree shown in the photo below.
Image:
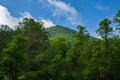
(105, 31)
(116, 20)
(103, 63)
(6, 35)
(13, 58)
(37, 42)
(75, 56)
(36, 34)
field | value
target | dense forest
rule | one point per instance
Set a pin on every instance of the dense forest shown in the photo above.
(28, 53)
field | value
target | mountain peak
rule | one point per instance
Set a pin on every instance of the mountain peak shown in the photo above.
(60, 31)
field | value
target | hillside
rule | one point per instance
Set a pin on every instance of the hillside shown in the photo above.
(60, 32)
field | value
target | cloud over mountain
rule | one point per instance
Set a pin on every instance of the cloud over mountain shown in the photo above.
(62, 9)
(47, 23)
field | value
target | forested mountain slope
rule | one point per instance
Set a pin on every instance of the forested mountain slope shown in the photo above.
(60, 32)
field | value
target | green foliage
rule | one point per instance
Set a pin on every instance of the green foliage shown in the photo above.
(51, 61)
(13, 58)
(104, 29)
(32, 29)
(6, 35)
(77, 54)
(116, 20)
(58, 31)
(37, 43)
(29, 52)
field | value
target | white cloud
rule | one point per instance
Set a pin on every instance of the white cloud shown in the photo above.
(7, 19)
(62, 9)
(47, 23)
(63, 6)
(26, 15)
(100, 7)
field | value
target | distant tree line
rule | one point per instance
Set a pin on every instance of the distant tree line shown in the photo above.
(26, 53)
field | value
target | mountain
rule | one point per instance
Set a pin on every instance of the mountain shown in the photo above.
(60, 32)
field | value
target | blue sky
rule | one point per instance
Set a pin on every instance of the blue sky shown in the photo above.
(68, 13)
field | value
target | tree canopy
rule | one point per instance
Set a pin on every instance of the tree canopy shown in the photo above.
(28, 53)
